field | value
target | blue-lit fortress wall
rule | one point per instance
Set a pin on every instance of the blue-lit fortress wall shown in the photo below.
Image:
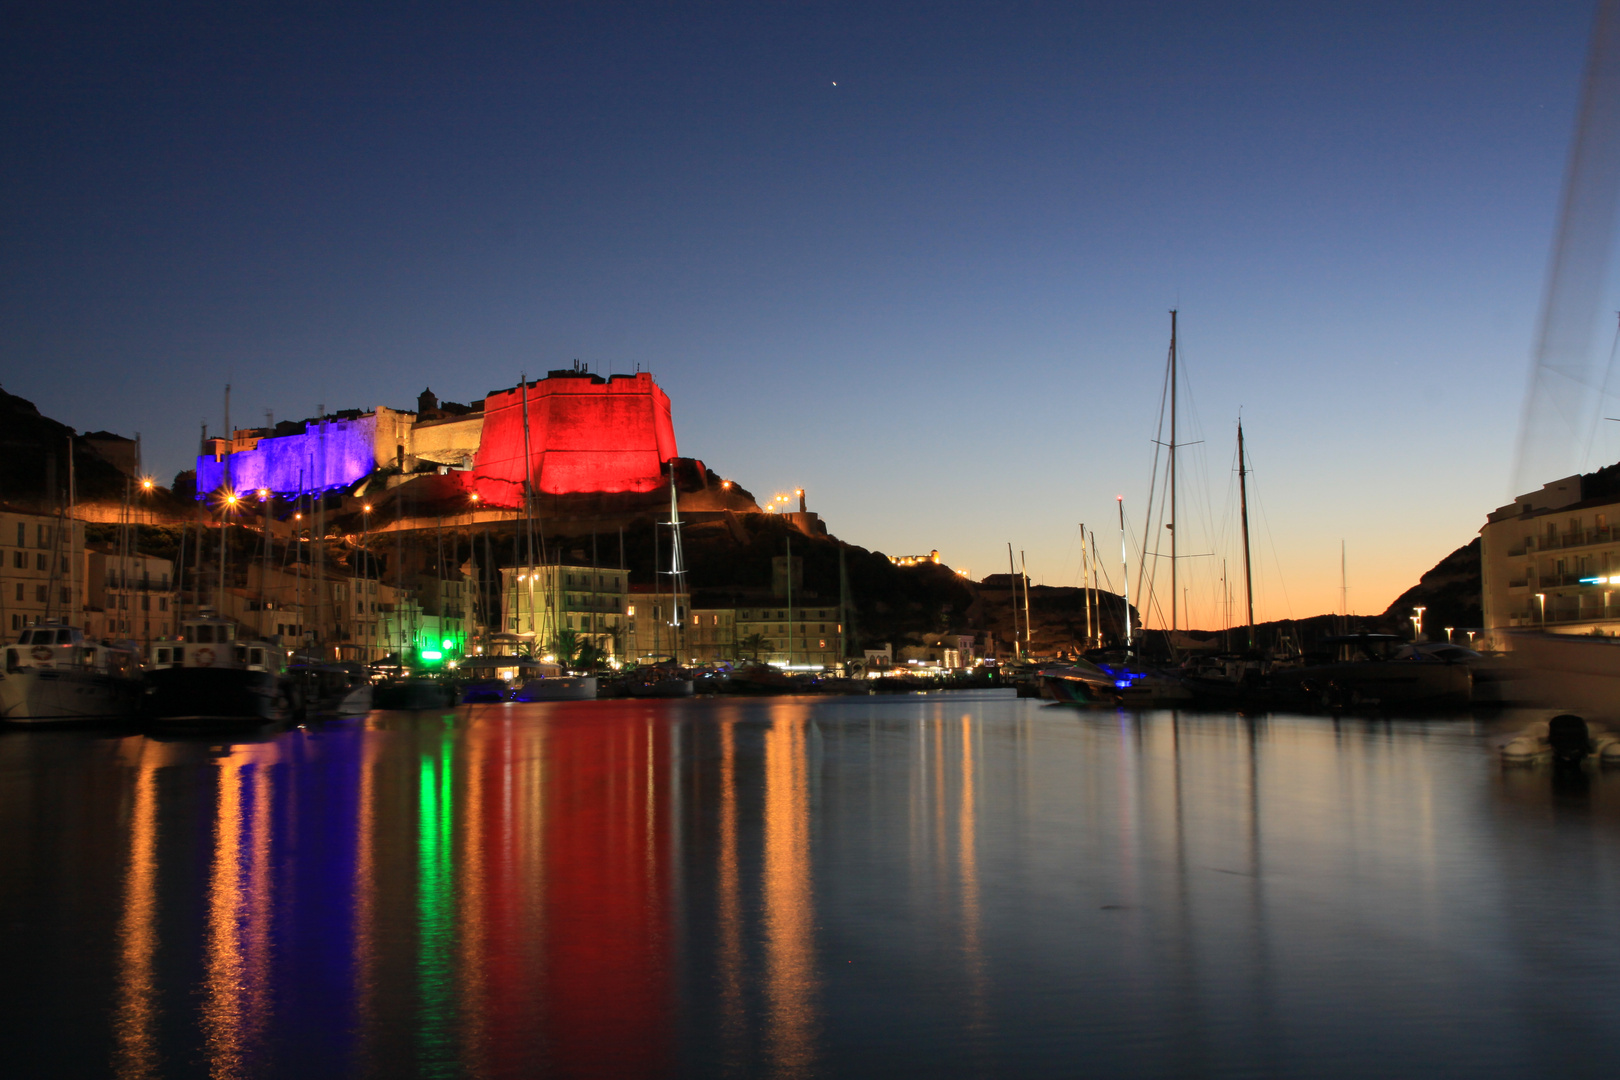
(327, 455)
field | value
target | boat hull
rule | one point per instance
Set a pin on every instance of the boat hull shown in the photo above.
(189, 697)
(561, 688)
(409, 695)
(65, 695)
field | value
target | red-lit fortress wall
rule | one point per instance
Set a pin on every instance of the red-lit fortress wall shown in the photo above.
(585, 435)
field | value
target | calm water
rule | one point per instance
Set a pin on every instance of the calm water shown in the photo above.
(951, 885)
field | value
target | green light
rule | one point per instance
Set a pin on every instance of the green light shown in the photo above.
(447, 644)
(432, 654)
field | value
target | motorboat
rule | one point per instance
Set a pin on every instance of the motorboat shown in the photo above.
(211, 678)
(408, 693)
(331, 689)
(1079, 682)
(1115, 680)
(548, 682)
(54, 674)
(1377, 671)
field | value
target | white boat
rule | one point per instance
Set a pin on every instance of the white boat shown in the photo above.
(55, 674)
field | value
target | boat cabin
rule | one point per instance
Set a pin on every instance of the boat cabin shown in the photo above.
(209, 641)
(58, 647)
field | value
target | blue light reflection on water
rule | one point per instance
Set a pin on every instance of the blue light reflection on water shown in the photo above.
(951, 885)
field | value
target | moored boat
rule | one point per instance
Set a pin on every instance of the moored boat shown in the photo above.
(212, 678)
(54, 674)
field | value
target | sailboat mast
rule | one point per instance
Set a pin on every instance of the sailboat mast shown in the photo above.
(1012, 583)
(1174, 595)
(1024, 573)
(528, 499)
(1085, 579)
(1243, 503)
(1125, 565)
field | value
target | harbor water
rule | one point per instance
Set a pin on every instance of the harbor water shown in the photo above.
(941, 885)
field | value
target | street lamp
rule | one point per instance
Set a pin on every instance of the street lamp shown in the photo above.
(1417, 621)
(1541, 599)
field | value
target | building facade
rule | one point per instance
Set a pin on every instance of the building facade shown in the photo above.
(590, 601)
(1551, 559)
(41, 570)
(129, 597)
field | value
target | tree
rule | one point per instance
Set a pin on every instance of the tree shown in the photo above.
(751, 646)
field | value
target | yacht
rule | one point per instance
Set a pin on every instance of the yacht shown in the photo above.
(211, 677)
(54, 673)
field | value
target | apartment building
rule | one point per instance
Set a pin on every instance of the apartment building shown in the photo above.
(129, 597)
(591, 601)
(41, 570)
(1551, 559)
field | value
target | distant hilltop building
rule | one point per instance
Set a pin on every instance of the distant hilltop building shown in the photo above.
(578, 432)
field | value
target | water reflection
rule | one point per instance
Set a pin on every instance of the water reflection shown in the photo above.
(790, 967)
(952, 886)
(135, 1020)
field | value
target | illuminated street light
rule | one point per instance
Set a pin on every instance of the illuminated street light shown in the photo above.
(1417, 621)
(1541, 599)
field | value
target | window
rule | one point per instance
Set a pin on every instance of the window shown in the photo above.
(19, 590)
(19, 559)
(39, 593)
(16, 620)
(39, 561)
(123, 603)
(67, 597)
(44, 536)
(22, 535)
(163, 603)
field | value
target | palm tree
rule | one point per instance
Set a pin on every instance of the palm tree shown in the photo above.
(751, 646)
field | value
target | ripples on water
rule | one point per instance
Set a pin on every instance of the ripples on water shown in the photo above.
(950, 885)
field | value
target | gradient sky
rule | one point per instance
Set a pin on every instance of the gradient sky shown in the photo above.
(934, 294)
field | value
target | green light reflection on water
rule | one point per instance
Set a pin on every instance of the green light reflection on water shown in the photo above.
(435, 904)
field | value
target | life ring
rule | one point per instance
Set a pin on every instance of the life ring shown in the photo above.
(204, 657)
(41, 653)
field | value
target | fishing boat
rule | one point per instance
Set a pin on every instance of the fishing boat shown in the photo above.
(53, 674)
(211, 677)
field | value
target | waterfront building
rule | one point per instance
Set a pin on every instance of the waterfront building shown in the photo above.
(41, 570)
(129, 597)
(802, 634)
(591, 601)
(655, 621)
(1551, 558)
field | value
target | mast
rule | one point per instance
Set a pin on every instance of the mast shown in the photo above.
(657, 612)
(318, 554)
(1344, 591)
(1085, 580)
(1125, 563)
(1012, 582)
(1025, 565)
(843, 608)
(74, 608)
(1243, 504)
(1173, 593)
(790, 597)
(528, 498)
(677, 570)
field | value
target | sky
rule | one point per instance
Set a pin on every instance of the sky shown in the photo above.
(915, 258)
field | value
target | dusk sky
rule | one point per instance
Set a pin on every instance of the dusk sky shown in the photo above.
(915, 258)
